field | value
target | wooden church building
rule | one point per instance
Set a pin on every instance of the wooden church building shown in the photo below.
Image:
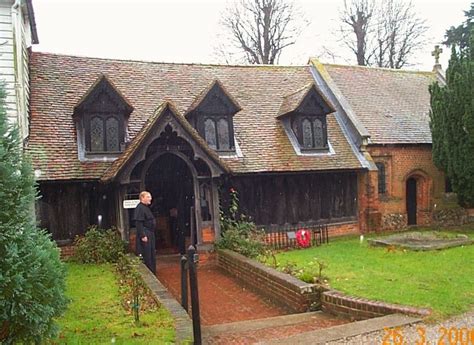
(316, 144)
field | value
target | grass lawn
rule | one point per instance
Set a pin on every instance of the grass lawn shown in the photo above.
(442, 280)
(95, 315)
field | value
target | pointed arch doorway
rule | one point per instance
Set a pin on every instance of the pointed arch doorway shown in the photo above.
(411, 202)
(171, 182)
(169, 158)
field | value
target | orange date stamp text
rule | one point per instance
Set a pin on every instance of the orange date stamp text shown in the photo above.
(445, 336)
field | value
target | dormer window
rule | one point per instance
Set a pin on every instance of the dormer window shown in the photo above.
(217, 133)
(211, 114)
(104, 133)
(305, 111)
(101, 118)
(310, 131)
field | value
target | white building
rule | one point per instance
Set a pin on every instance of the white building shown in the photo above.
(17, 34)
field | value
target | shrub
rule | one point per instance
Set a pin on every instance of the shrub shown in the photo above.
(313, 272)
(238, 232)
(32, 277)
(248, 242)
(134, 292)
(99, 246)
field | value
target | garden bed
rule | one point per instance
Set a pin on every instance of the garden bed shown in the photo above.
(290, 293)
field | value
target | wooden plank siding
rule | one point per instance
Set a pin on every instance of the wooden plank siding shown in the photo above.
(22, 71)
(67, 209)
(279, 200)
(14, 70)
(7, 70)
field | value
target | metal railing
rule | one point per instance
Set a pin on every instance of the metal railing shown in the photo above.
(285, 237)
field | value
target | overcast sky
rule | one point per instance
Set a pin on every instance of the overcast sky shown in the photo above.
(187, 31)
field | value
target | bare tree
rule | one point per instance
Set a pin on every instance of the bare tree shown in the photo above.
(387, 32)
(260, 29)
(357, 17)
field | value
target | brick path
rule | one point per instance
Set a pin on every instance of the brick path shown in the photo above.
(223, 300)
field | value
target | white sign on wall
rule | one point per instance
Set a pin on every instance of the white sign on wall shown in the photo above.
(131, 203)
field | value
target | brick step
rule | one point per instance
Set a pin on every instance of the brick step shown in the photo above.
(253, 325)
(268, 329)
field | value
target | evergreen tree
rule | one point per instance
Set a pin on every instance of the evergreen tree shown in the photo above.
(459, 35)
(32, 277)
(452, 123)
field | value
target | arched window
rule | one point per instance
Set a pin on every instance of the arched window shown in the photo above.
(318, 133)
(381, 178)
(217, 134)
(223, 135)
(210, 133)
(112, 134)
(310, 132)
(104, 134)
(307, 134)
(97, 134)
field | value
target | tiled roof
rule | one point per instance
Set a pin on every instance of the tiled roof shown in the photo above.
(293, 101)
(120, 162)
(58, 82)
(392, 104)
(204, 93)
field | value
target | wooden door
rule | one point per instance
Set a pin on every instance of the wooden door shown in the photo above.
(411, 201)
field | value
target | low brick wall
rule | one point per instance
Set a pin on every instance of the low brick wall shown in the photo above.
(182, 322)
(341, 229)
(282, 289)
(356, 308)
(66, 251)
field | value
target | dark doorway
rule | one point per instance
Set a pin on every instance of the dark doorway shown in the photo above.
(171, 184)
(411, 201)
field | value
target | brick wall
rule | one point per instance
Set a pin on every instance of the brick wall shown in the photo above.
(368, 202)
(66, 251)
(341, 229)
(337, 303)
(401, 163)
(290, 293)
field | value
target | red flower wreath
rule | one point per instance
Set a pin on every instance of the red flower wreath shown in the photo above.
(303, 238)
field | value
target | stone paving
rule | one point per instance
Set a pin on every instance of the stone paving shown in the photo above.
(456, 330)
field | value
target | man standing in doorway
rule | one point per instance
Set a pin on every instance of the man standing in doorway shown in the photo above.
(145, 224)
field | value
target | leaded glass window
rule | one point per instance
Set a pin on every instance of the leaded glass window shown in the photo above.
(210, 133)
(318, 133)
(105, 134)
(223, 134)
(112, 134)
(381, 178)
(97, 134)
(310, 132)
(101, 120)
(307, 134)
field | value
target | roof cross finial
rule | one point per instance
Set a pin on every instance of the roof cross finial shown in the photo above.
(436, 53)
